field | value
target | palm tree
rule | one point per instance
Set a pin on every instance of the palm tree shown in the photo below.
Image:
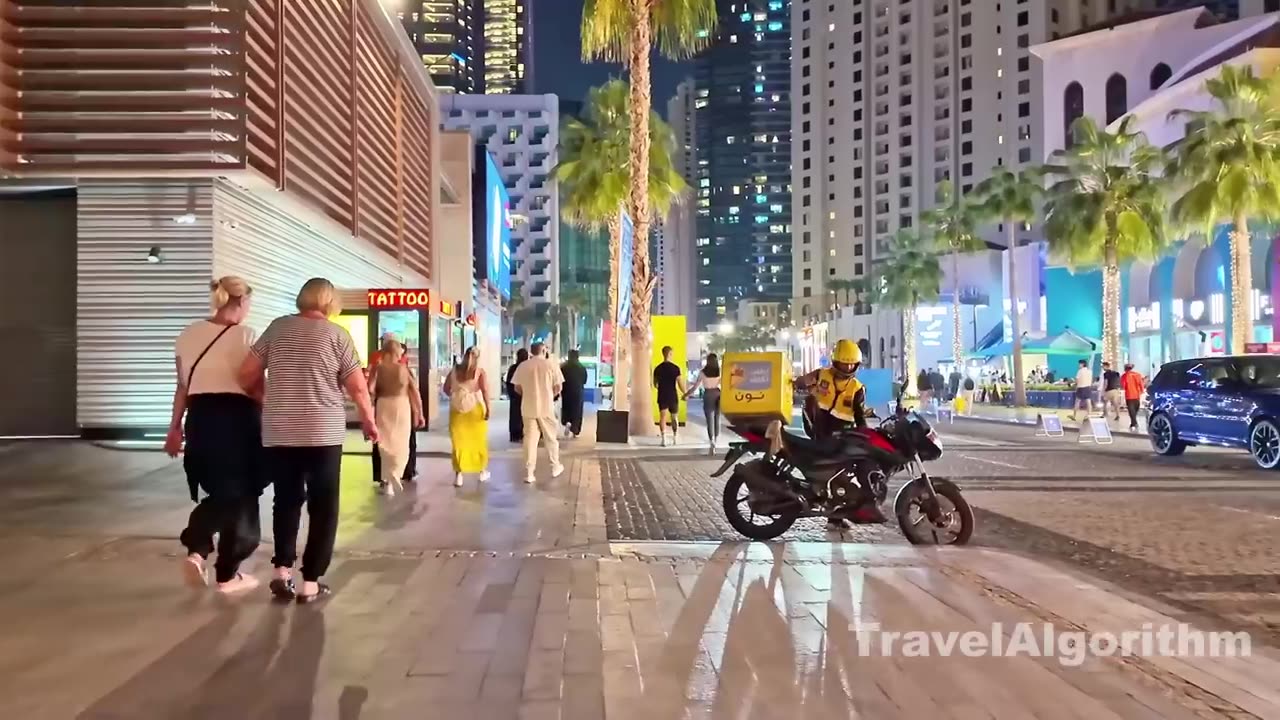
(743, 339)
(1011, 198)
(575, 301)
(1106, 209)
(516, 310)
(625, 31)
(908, 274)
(559, 316)
(1227, 169)
(525, 325)
(953, 222)
(848, 287)
(594, 174)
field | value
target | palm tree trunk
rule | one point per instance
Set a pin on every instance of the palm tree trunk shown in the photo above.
(641, 278)
(909, 348)
(1241, 286)
(621, 394)
(1015, 319)
(957, 344)
(1111, 300)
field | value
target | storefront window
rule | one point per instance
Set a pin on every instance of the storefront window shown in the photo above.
(405, 325)
(358, 326)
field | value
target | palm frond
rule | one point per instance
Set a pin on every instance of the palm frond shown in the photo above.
(680, 27)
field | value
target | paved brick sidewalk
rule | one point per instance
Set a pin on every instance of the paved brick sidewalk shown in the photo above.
(506, 601)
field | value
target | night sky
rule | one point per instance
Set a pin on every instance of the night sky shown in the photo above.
(557, 48)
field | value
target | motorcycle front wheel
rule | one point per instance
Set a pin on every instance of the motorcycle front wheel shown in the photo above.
(743, 519)
(955, 517)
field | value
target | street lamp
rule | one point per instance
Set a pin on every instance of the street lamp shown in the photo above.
(726, 328)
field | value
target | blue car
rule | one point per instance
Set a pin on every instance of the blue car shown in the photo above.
(1231, 401)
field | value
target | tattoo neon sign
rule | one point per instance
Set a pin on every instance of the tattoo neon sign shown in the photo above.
(399, 299)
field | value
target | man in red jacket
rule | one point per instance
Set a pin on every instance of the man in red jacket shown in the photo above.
(1133, 385)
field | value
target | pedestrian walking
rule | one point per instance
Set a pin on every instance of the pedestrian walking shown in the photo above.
(1084, 391)
(709, 381)
(573, 397)
(515, 418)
(397, 408)
(1112, 395)
(924, 387)
(538, 381)
(308, 361)
(220, 424)
(668, 378)
(1133, 385)
(968, 391)
(468, 391)
(411, 467)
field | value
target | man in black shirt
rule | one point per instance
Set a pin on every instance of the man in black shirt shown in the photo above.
(1111, 394)
(669, 381)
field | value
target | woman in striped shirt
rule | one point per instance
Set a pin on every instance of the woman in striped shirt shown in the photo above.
(308, 361)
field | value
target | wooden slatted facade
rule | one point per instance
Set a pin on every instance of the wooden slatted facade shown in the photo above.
(321, 98)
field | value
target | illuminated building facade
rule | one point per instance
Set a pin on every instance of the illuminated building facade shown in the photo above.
(153, 147)
(507, 42)
(742, 130)
(470, 46)
(444, 34)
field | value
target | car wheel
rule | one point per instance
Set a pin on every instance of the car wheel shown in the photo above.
(1163, 438)
(1264, 444)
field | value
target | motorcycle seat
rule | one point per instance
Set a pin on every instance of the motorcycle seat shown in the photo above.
(819, 451)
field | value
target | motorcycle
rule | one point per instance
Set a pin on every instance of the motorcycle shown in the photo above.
(797, 477)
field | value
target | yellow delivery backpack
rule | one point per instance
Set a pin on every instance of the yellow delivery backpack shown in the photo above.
(757, 387)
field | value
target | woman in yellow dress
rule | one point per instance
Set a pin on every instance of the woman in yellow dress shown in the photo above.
(468, 391)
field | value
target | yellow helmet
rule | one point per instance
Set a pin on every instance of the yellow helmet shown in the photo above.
(845, 358)
(847, 352)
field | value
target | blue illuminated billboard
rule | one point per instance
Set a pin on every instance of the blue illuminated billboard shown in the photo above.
(626, 260)
(491, 229)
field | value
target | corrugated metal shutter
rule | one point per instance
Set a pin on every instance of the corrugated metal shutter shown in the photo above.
(277, 252)
(38, 315)
(130, 311)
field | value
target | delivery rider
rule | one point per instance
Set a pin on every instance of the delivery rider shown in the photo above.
(839, 395)
(841, 403)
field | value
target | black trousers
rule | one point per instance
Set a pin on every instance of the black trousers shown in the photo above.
(515, 421)
(1132, 406)
(223, 458)
(410, 468)
(305, 475)
(571, 411)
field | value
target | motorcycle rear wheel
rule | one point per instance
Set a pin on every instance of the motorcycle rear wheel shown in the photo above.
(918, 529)
(745, 521)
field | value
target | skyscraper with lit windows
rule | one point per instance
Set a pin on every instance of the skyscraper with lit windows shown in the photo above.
(507, 39)
(470, 46)
(742, 108)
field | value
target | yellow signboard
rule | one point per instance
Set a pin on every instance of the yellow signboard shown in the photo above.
(670, 331)
(757, 385)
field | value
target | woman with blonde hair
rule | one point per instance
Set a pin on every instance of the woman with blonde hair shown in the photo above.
(468, 391)
(398, 409)
(308, 361)
(219, 422)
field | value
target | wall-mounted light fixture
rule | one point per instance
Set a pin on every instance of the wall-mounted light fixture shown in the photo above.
(154, 255)
(187, 219)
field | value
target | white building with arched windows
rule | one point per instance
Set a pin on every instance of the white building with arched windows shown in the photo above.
(1178, 306)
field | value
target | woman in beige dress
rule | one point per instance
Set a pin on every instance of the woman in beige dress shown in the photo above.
(398, 407)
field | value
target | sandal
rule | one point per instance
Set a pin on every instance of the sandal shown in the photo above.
(282, 589)
(323, 592)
